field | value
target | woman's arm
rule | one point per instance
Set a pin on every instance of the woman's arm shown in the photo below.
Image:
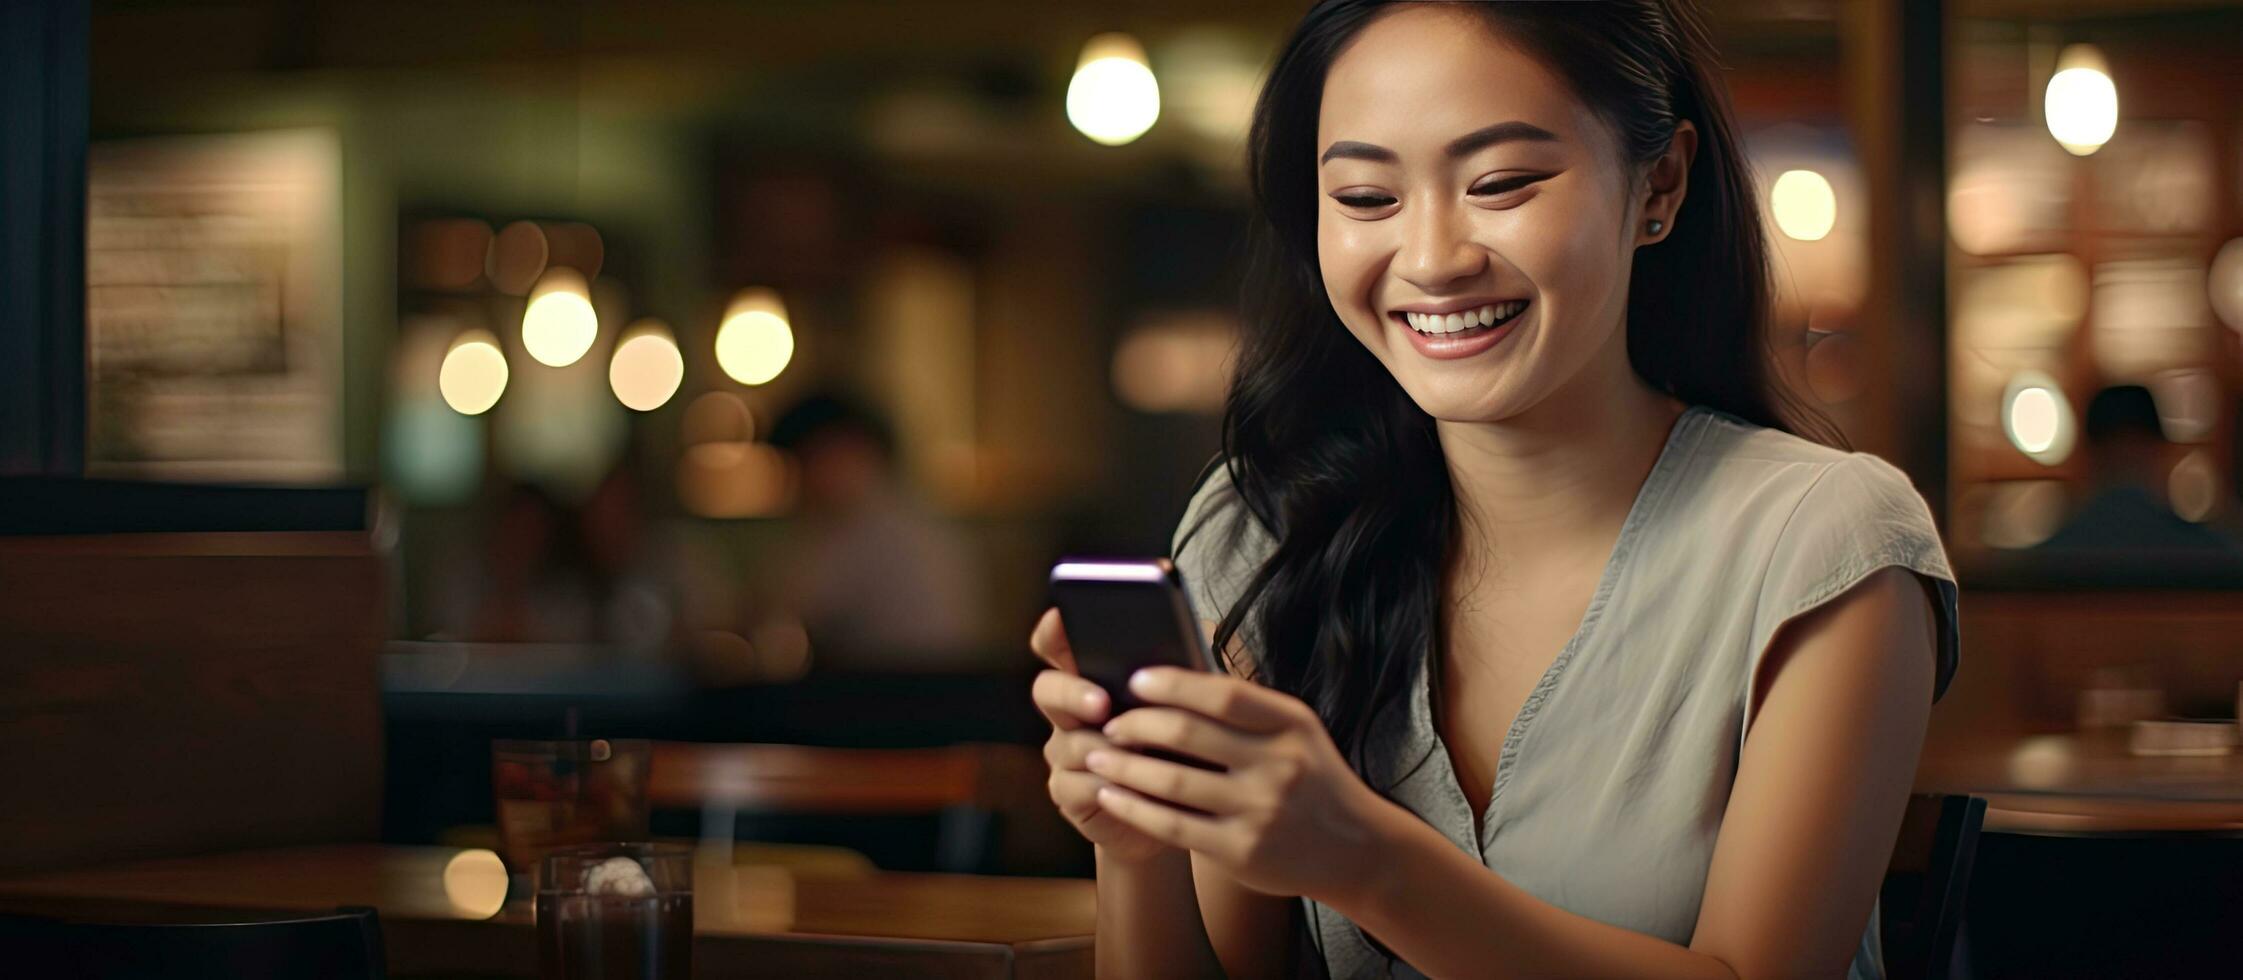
(1808, 831)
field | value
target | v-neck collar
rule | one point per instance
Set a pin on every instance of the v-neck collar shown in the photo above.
(1623, 546)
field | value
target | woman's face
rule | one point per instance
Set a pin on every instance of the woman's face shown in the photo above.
(1460, 177)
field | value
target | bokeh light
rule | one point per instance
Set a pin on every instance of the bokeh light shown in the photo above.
(755, 341)
(717, 417)
(1113, 98)
(559, 325)
(2021, 513)
(647, 368)
(2223, 284)
(475, 883)
(734, 479)
(2188, 403)
(1177, 362)
(2193, 487)
(1211, 75)
(2037, 419)
(1804, 205)
(446, 253)
(2081, 103)
(576, 245)
(516, 258)
(431, 455)
(473, 375)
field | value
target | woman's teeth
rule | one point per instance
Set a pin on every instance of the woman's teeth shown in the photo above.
(1486, 316)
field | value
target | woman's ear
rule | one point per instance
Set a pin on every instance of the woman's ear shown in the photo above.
(1664, 186)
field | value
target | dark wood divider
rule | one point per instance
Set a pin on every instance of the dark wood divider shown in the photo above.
(166, 694)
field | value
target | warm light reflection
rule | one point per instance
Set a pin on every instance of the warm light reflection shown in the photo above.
(2224, 284)
(2188, 404)
(1804, 205)
(2033, 419)
(473, 375)
(2033, 302)
(734, 479)
(558, 326)
(2150, 315)
(2081, 104)
(755, 341)
(446, 253)
(2193, 487)
(718, 417)
(1175, 363)
(516, 257)
(576, 245)
(1113, 97)
(647, 368)
(2037, 419)
(2021, 513)
(1211, 75)
(2011, 191)
(782, 649)
(475, 883)
(2040, 761)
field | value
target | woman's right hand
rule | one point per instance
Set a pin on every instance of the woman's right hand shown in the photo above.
(1077, 708)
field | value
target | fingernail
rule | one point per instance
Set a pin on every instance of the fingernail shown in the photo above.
(1144, 682)
(1094, 699)
(1097, 759)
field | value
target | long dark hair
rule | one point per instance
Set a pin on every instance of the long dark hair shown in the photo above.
(1328, 452)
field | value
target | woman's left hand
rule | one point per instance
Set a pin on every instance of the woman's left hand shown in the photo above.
(1289, 817)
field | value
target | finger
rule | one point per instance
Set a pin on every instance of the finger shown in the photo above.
(1165, 823)
(1068, 700)
(1069, 749)
(1076, 794)
(1049, 640)
(1241, 704)
(1182, 731)
(1163, 780)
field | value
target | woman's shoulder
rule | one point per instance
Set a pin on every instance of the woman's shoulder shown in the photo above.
(1763, 475)
(1219, 544)
(1815, 520)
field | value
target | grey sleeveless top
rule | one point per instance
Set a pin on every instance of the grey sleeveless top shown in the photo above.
(1611, 782)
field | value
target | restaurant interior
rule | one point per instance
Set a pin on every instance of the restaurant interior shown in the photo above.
(436, 434)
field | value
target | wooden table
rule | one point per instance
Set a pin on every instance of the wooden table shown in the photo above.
(444, 912)
(2089, 783)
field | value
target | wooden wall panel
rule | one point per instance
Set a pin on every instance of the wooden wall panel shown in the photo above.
(170, 694)
(2027, 655)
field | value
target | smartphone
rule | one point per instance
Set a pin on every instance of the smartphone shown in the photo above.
(1123, 614)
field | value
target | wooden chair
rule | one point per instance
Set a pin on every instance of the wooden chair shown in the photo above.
(344, 946)
(1927, 883)
(965, 786)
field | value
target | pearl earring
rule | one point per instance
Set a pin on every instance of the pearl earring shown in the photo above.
(1657, 225)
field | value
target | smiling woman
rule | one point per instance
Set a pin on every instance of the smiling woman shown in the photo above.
(1552, 649)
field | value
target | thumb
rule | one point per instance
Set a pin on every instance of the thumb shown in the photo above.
(1050, 642)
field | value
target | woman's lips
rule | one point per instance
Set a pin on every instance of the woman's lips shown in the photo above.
(1466, 343)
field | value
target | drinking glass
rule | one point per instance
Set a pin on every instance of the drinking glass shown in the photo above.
(616, 912)
(550, 794)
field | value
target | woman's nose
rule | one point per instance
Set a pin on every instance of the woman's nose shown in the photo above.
(1437, 249)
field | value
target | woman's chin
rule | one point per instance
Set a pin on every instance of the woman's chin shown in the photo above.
(1464, 399)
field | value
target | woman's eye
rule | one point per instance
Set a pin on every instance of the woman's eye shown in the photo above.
(1506, 185)
(1363, 200)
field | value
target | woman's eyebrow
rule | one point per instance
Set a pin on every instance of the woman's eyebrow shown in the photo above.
(1478, 139)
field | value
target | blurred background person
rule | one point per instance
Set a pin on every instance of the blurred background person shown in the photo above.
(873, 577)
(2126, 515)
